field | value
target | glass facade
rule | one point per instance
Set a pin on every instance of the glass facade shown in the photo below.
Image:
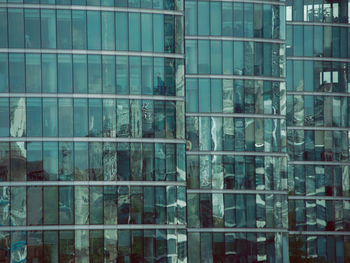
(174, 131)
(92, 131)
(317, 49)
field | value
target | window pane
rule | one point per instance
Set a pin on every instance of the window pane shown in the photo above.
(50, 159)
(122, 31)
(94, 76)
(80, 73)
(49, 73)
(94, 30)
(80, 118)
(108, 36)
(48, 28)
(33, 73)
(146, 22)
(3, 72)
(158, 33)
(50, 117)
(95, 117)
(16, 28)
(34, 117)
(4, 117)
(108, 71)
(79, 29)
(17, 73)
(122, 68)
(64, 34)
(65, 117)
(32, 28)
(3, 27)
(64, 73)
(134, 32)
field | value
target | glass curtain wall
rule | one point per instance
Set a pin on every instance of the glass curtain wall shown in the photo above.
(92, 131)
(318, 57)
(236, 131)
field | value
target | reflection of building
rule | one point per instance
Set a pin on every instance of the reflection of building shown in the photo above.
(96, 163)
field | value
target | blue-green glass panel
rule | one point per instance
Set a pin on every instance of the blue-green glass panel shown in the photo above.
(158, 80)
(93, 2)
(4, 78)
(215, 18)
(81, 162)
(50, 128)
(227, 19)
(238, 55)
(107, 2)
(204, 95)
(227, 58)
(203, 21)
(48, 28)
(122, 39)
(64, 73)
(3, 27)
(15, 28)
(33, 73)
(63, 2)
(238, 19)
(66, 206)
(267, 26)
(17, 72)
(191, 95)
(146, 26)
(109, 126)
(32, 28)
(65, 118)
(78, 2)
(159, 118)
(80, 118)
(34, 117)
(122, 68)
(123, 162)
(35, 171)
(158, 4)
(158, 33)
(50, 161)
(80, 73)
(267, 60)
(65, 161)
(135, 75)
(95, 162)
(191, 18)
(204, 57)
(108, 35)
(134, 32)
(64, 32)
(4, 116)
(79, 29)
(49, 73)
(94, 30)
(94, 74)
(191, 56)
(170, 120)
(169, 68)
(147, 76)
(216, 57)
(318, 45)
(108, 74)
(95, 117)
(216, 95)
(169, 33)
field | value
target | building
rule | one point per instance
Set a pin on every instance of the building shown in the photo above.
(174, 131)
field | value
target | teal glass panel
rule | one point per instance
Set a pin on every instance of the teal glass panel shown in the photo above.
(109, 118)
(94, 74)
(96, 206)
(191, 56)
(258, 20)
(267, 22)
(159, 117)
(146, 4)
(170, 120)
(158, 4)
(227, 57)
(216, 95)
(63, 2)
(134, 3)
(147, 76)
(65, 161)
(3, 27)
(123, 174)
(50, 128)
(79, 29)
(318, 45)
(169, 68)
(50, 210)
(4, 117)
(122, 38)
(134, 32)
(108, 35)
(146, 23)
(238, 55)
(121, 3)
(64, 34)
(122, 68)
(35, 165)
(108, 74)
(107, 2)
(81, 162)
(17, 72)
(123, 122)
(248, 20)
(169, 4)
(80, 118)
(158, 77)
(16, 28)
(124, 244)
(191, 18)
(216, 57)
(94, 30)
(32, 28)
(158, 33)
(97, 250)
(267, 60)
(204, 57)
(204, 95)
(95, 117)
(238, 19)
(169, 33)
(49, 73)
(227, 25)
(66, 206)
(50, 161)
(80, 73)
(65, 83)
(48, 28)
(65, 118)
(50, 242)
(215, 18)
(135, 75)
(93, 2)
(203, 21)
(78, 2)
(34, 117)
(148, 118)
(33, 73)
(191, 95)
(4, 78)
